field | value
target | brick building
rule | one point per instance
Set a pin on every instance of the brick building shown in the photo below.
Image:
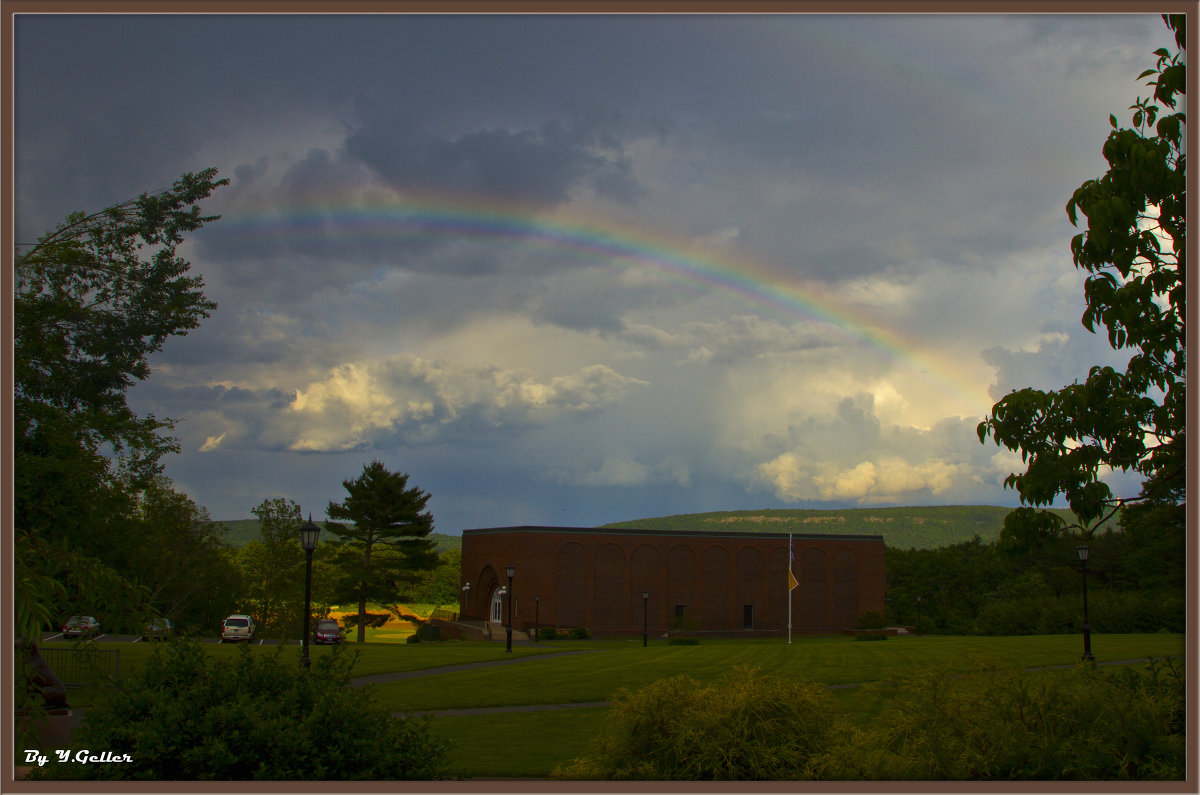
(724, 582)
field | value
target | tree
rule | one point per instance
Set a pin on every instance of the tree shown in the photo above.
(386, 546)
(92, 300)
(1134, 251)
(170, 546)
(273, 566)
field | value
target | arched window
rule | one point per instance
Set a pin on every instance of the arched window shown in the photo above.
(498, 605)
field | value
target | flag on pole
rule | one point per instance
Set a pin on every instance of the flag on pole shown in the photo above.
(792, 581)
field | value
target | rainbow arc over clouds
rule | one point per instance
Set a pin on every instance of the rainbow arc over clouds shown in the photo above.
(618, 245)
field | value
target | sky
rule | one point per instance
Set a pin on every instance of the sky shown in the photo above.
(579, 269)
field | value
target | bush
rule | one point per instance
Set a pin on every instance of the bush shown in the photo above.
(548, 633)
(186, 716)
(684, 640)
(871, 620)
(742, 727)
(578, 633)
(1004, 724)
(871, 636)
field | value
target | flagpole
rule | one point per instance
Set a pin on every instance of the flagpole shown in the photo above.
(791, 577)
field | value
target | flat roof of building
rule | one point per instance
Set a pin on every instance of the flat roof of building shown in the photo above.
(676, 533)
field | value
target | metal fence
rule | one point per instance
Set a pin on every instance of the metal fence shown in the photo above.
(80, 667)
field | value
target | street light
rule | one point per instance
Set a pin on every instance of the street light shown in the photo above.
(466, 589)
(537, 603)
(918, 614)
(512, 571)
(308, 539)
(645, 616)
(1082, 549)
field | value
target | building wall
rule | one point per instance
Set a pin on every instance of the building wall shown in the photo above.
(573, 577)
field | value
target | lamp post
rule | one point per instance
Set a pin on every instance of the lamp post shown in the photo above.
(1082, 549)
(537, 603)
(918, 614)
(466, 590)
(645, 616)
(512, 571)
(308, 539)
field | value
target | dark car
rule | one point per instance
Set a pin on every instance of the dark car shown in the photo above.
(158, 628)
(80, 626)
(327, 631)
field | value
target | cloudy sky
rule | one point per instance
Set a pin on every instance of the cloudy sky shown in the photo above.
(579, 269)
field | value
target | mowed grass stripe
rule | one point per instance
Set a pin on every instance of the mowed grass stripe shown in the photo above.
(616, 664)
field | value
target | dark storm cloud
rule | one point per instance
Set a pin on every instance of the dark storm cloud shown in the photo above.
(532, 166)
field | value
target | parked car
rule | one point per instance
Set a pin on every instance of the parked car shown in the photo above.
(237, 627)
(80, 626)
(158, 628)
(327, 631)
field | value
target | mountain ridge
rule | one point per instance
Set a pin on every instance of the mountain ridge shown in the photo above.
(910, 527)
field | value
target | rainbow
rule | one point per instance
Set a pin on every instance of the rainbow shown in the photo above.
(618, 245)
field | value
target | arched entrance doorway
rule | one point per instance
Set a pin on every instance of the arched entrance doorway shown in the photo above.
(496, 613)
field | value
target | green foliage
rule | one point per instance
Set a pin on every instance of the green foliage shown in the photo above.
(188, 716)
(683, 623)
(1134, 250)
(439, 586)
(578, 633)
(871, 636)
(90, 307)
(1004, 724)
(990, 723)
(92, 301)
(273, 567)
(170, 547)
(548, 633)
(743, 727)
(871, 620)
(384, 550)
(1136, 579)
(369, 620)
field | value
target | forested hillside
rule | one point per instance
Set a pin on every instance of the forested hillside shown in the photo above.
(239, 532)
(926, 527)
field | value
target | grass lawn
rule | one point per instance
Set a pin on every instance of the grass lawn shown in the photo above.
(830, 660)
(530, 744)
(516, 744)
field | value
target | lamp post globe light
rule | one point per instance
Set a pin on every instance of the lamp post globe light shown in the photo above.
(1082, 550)
(309, 532)
(645, 616)
(511, 571)
(466, 594)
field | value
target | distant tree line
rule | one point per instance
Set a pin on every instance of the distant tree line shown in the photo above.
(1136, 581)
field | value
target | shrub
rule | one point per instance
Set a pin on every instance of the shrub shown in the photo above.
(871, 636)
(684, 640)
(742, 727)
(578, 633)
(871, 620)
(547, 633)
(1004, 724)
(187, 716)
(683, 623)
